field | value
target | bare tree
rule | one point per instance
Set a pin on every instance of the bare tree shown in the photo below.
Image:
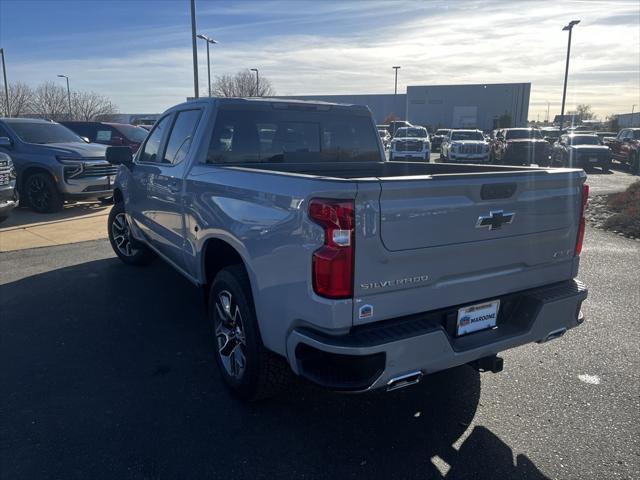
(89, 105)
(242, 84)
(50, 101)
(20, 100)
(584, 112)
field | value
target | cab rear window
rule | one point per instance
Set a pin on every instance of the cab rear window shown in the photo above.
(250, 136)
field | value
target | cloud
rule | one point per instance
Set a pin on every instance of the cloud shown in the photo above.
(349, 47)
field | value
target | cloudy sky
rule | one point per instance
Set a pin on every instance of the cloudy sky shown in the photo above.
(138, 52)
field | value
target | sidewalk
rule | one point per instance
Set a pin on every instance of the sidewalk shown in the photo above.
(75, 223)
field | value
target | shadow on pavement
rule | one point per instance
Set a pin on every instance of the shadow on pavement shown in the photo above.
(24, 217)
(108, 372)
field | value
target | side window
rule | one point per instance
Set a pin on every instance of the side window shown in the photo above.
(3, 132)
(181, 136)
(103, 135)
(622, 134)
(152, 146)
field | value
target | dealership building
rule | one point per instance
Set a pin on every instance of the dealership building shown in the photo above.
(443, 106)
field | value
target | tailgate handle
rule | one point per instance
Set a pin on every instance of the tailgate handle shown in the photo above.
(493, 191)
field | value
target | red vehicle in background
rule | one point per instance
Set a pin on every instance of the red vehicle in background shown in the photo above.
(115, 134)
(625, 148)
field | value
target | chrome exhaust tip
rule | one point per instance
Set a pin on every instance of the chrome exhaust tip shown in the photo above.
(404, 380)
(555, 334)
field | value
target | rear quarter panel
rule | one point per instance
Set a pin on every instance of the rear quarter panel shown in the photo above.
(263, 216)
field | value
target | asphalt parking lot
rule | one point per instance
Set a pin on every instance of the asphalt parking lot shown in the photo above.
(108, 372)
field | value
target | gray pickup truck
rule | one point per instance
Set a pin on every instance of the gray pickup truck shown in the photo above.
(322, 259)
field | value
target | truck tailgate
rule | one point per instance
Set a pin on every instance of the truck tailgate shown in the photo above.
(424, 243)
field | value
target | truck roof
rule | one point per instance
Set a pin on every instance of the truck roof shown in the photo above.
(272, 100)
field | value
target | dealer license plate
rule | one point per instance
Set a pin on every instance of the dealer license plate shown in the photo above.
(477, 317)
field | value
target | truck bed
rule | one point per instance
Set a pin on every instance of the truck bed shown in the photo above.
(369, 170)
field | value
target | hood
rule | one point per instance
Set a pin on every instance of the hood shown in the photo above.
(468, 142)
(527, 140)
(76, 149)
(589, 148)
(411, 139)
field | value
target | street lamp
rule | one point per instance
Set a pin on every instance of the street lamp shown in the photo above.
(68, 94)
(194, 49)
(568, 28)
(395, 91)
(208, 41)
(257, 81)
(6, 85)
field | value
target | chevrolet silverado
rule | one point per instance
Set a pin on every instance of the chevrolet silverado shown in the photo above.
(321, 259)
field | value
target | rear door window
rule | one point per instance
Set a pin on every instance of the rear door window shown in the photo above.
(181, 136)
(150, 153)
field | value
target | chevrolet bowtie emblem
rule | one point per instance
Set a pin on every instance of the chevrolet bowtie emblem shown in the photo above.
(495, 219)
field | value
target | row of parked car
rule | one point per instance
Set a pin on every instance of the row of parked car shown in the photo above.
(515, 146)
(46, 163)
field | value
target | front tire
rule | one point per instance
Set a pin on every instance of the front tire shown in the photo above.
(247, 368)
(634, 166)
(122, 242)
(41, 193)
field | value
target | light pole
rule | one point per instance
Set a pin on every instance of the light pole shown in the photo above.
(194, 47)
(6, 85)
(257, 81)
(395, 90)
(547, 120)
(568, 28)
(208, 41)
(68, 93)
(632, 109)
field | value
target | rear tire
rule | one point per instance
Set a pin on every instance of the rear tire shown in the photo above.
(248, 369)
(123, 243)
(41, 193)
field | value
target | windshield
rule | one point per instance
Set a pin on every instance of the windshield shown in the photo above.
(133, 133)
(44, 133)
(411, 132)
(522, 134)
(466, 135)
(583, 140)
(292, 136)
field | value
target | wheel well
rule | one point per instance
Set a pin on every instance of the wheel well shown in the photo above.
(117, 196)
(31, 171)
(218, 254)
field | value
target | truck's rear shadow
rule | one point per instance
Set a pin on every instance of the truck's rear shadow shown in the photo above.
(108, 372)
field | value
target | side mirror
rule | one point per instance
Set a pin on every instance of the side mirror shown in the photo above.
(5, 142)
(120, 156)
(627, 140)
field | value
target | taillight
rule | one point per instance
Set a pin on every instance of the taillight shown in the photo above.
(333, 262)
(581, 226)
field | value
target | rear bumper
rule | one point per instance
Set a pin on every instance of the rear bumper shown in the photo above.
(370, 356)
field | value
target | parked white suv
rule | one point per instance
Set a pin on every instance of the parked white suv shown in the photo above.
(465, 146)
(410, 143)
